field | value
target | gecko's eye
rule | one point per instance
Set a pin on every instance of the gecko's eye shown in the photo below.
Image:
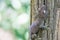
(44, 11)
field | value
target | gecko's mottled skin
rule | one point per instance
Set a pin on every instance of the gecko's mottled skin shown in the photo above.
(42, 15)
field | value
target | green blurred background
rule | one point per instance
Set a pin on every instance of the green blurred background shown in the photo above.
(15, 17)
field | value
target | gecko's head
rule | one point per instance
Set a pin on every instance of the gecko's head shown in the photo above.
(43, 11)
